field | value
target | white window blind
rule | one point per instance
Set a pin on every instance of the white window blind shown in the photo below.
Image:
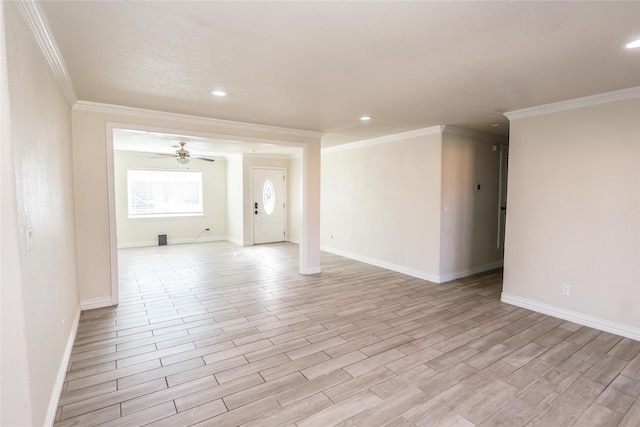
(160, 193)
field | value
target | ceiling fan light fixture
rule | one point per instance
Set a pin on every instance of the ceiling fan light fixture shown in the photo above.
(182, 161)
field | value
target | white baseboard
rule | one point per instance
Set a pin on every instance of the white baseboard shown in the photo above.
(311, 270)
(420, 274)
(137, 244)
(292, 240)
(384, 264)
(62, 372)
(199, 240)
(470, 271)
(148, 243)
(573, 316)
(89, 304)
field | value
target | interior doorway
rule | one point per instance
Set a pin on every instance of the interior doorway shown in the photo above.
(308, 251)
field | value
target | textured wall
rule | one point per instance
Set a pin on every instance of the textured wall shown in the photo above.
(41, 318)
(574, 211)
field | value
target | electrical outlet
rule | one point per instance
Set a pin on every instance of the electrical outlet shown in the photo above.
(566, 290)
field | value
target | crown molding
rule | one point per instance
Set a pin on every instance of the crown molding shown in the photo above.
(98, 107)
(37, 22)
(433, 130)
(587, 101)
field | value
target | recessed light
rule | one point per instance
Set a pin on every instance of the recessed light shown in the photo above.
(495, 125)
(218, 92)
(633, 44)
(365, 118)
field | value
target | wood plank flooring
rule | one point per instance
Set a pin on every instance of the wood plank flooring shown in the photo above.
(220, 335)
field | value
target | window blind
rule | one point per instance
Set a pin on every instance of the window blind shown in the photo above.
(157, 193)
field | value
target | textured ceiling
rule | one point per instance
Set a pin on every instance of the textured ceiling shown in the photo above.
(321, 65)
(167, 143)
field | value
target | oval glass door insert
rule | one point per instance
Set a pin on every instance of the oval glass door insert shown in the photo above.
(268, 197)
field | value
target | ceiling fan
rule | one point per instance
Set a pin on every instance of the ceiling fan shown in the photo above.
(182, 155)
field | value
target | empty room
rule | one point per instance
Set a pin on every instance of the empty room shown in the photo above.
(320, 213)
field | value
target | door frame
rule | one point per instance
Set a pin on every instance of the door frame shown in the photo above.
(502, 195)
(286, 191)
(309, 248)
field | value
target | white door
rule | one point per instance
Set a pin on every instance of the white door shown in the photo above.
(268, 205)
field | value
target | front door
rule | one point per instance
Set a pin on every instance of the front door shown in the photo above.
(268, 205)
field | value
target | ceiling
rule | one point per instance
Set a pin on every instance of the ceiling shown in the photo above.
(143, 141)
(319, 66)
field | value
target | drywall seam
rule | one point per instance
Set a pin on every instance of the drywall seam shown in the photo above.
(573, 316)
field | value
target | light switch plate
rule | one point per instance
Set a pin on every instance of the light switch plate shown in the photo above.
(28, 232)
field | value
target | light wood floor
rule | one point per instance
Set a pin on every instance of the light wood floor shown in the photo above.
(220, 335)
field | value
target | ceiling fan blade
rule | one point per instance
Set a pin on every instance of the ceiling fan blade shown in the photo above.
(196, 157)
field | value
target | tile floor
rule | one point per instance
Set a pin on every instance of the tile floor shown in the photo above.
(220, 335)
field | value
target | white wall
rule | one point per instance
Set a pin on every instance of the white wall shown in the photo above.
(294, 200)
(144, 232)
(310, 224)
(91, 172)
(15, 400)
(43, 290)
(235, 217)
(408, 202)
(574, 214)
(380, 202)
(469, 216)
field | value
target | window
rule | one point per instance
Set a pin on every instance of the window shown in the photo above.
(268, 197)
(164, 193)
